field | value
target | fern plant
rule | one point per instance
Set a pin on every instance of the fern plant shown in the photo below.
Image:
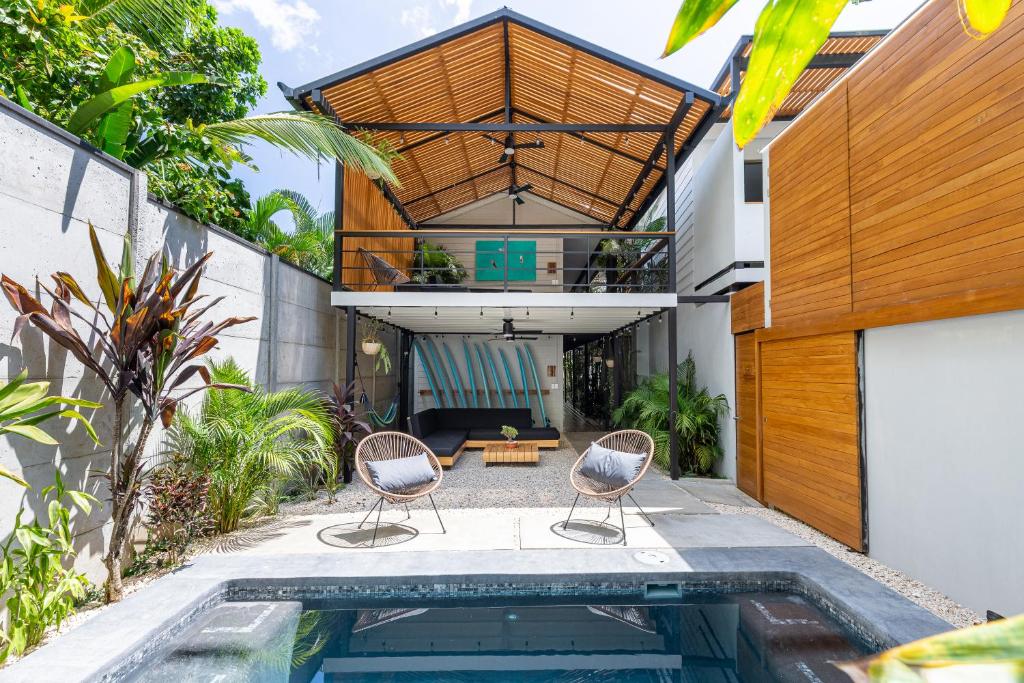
(697, 421)
(248, 442)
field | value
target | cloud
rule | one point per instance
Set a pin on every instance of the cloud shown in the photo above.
(423, 16)
(420, 18)
(289, 22)
(462, 8)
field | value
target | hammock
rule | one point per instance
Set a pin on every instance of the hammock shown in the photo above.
(380, 420)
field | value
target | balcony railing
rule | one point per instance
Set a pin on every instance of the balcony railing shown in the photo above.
(517, 260)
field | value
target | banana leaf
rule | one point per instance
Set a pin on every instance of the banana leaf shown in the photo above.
(787, 35)
(990, 652)
(694, 18)
(981, 17)
(90, 110)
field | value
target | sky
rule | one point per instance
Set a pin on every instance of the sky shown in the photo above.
(302, 40)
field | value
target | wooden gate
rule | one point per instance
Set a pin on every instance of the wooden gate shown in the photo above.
(747, 316)
(810, 432)
(747, 469)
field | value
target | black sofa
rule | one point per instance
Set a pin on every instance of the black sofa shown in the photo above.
(448, 431)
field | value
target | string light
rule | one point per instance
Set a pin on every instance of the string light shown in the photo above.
(435, 311)
(572, 313)
(401, 139)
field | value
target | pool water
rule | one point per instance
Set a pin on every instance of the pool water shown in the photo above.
(734, 638)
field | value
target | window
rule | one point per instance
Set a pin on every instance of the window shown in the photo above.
(753, 184)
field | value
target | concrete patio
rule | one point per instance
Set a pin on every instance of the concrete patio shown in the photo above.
(681, 520)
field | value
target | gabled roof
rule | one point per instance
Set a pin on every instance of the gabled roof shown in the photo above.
(505, 68)
(836, 56)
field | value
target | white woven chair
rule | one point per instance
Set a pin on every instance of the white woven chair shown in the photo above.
(391, 446)
(626, 441)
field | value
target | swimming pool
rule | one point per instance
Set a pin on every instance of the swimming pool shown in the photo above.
(605, 635)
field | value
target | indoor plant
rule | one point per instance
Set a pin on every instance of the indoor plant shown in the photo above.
(510, 433)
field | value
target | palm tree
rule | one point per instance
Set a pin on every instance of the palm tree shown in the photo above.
(646, 409)
(247, 442)
(310, 245)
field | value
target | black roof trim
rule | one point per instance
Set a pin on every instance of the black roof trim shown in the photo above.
(298, 94)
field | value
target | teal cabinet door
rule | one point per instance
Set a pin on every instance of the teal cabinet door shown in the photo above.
(490, 262)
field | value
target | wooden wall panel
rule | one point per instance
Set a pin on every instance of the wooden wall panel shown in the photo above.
(936, 164)
(810, 441)
(809, 208)
(747, 467)
(366, 208)
(748, 309)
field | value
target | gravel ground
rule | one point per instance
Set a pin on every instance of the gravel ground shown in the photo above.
(471, 484)
(915, 591)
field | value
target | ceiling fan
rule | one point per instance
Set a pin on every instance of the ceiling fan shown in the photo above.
(509, 334)
(514, 190)
(510, 146)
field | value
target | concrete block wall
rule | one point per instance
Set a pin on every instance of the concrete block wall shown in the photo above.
(51, 186)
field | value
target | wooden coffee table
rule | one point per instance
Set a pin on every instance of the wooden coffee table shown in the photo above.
(497, 454)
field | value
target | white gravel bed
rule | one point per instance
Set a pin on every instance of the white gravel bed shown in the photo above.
(471, 484)
(915, 591)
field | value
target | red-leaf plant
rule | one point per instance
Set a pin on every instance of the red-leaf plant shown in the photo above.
(145, 341)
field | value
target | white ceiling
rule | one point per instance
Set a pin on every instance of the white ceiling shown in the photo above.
(487, 320)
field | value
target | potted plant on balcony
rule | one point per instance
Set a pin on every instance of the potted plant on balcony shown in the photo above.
(434, 265)
(510, 434)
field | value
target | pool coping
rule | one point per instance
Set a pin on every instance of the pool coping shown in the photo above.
(106, 646)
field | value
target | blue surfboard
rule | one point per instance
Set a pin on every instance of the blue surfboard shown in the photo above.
(469, 371)
(483, 375)
(536, 384)
(460, 394)
(494, 374)
(522, 375)
(508, 374)
(426, 371)
(440, 373)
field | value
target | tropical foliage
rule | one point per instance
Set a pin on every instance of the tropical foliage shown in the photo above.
(989, 652)
(349, 429)
(25, 405)
(787, 35)
(178, 511)
(249, 441)
(160, 85)
(697, 421)
(40, 592)
(146, 336)
(310, 245)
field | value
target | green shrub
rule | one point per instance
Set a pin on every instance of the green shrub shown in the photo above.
(646, 408)
(249, 441)
(40, 592)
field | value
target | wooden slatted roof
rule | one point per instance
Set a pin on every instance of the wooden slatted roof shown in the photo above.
(505, 68)
(835, 57)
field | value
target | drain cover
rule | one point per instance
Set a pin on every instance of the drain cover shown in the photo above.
(650, 557)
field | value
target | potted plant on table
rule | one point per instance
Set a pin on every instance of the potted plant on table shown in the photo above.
(510, 434)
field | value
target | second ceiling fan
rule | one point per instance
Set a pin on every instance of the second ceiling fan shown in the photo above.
(510, 146)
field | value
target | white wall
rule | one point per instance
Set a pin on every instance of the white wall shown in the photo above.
(51, 186)
(945, 455)
(547, 351)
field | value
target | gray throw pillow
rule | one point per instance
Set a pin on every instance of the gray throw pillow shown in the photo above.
(401, 474)
(614, 468)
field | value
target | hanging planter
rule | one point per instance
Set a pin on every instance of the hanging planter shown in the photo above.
(371, 348)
